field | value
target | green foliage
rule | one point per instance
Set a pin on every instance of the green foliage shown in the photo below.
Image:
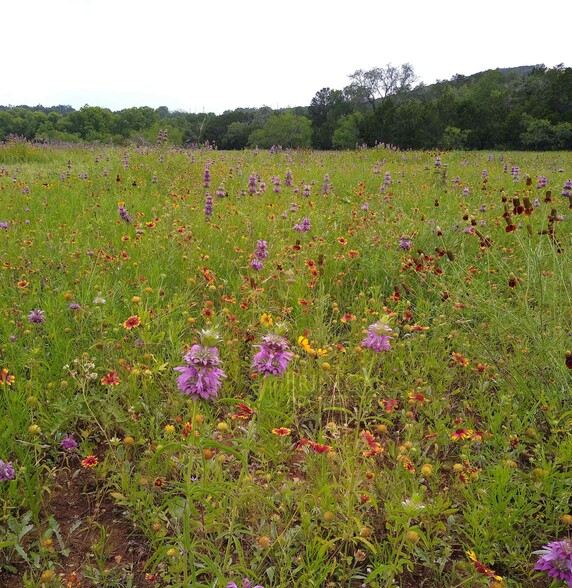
(286, 129)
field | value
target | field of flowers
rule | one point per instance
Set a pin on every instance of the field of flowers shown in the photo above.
(284, 368)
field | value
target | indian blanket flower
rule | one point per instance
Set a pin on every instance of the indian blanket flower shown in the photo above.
(132, 322)
(89, 462)
(274, 355)
(201, 376)
(68, 443)
(482, 569)
(36, 316)
(281, 431)
(6, 471)
(556, 560)
(6, 377)
(110, 379)
(378, 335)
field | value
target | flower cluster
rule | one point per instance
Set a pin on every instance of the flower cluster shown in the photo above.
(378, 335)
(260, 253)
(123, 214)
(201, 376)
(304, 226)
(6, 471)
(556, 560)
(274, 355)
(36, 316)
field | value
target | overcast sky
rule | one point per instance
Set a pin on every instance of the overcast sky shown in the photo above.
(216, 55)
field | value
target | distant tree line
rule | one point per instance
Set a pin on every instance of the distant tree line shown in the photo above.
(518, 108)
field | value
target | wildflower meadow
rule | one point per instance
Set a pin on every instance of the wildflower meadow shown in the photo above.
(278, 368)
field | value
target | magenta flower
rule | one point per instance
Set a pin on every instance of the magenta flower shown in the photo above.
(68, 443)
(124, 215)
(405, 243)
(36, 316)
(201, 376)
(556, 560)
(6, 471)
(274, 355)
(377, 338)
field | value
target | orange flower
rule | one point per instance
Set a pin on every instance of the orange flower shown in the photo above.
(282, 431)
(417, 397)
(22, 284)
(374, 447)
(132, 322)
(458, 358)
(90, 461)
(110, 379)
(459, 434)
(244, 412)
(6, 378)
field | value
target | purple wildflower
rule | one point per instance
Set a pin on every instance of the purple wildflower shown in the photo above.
(556, 561)
(124, 214)
(304, 226)
(74, 306)
(387, 178)
(405, 243)
(261, 251)
(273, 357)
(256, 265)
(326, 185)
(541, 182)
(36, 316)
(6, 471)
(208, 205)
(207, 176)
(377, 338)
(246, 583)
(307, 191)
(485, 174)
(68, 443)
(289, 179)
(3, 225)
(252, 181)
(200, 377)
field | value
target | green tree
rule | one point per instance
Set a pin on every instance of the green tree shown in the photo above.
(285, 129)
(347, 133)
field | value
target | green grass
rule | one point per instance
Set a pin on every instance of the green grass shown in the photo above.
(482, 320)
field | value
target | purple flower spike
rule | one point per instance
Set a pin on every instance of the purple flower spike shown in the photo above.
(377, 338)
(556, 561)
(201, 377)
(273, 357)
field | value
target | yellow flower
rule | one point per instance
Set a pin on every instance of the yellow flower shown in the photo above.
(266, 320)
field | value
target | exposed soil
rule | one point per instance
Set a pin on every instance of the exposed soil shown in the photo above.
(94, 529)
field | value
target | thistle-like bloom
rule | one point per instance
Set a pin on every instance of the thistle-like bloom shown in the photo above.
(261, 251)
(208, 205)
(124, 215)
(36, 316)
(246, 583)
(377, 338)
(201, 377)
(304, 226)
(556, 561)
(405, 243)
(274, 355)
(68, 443)
(6, 471)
